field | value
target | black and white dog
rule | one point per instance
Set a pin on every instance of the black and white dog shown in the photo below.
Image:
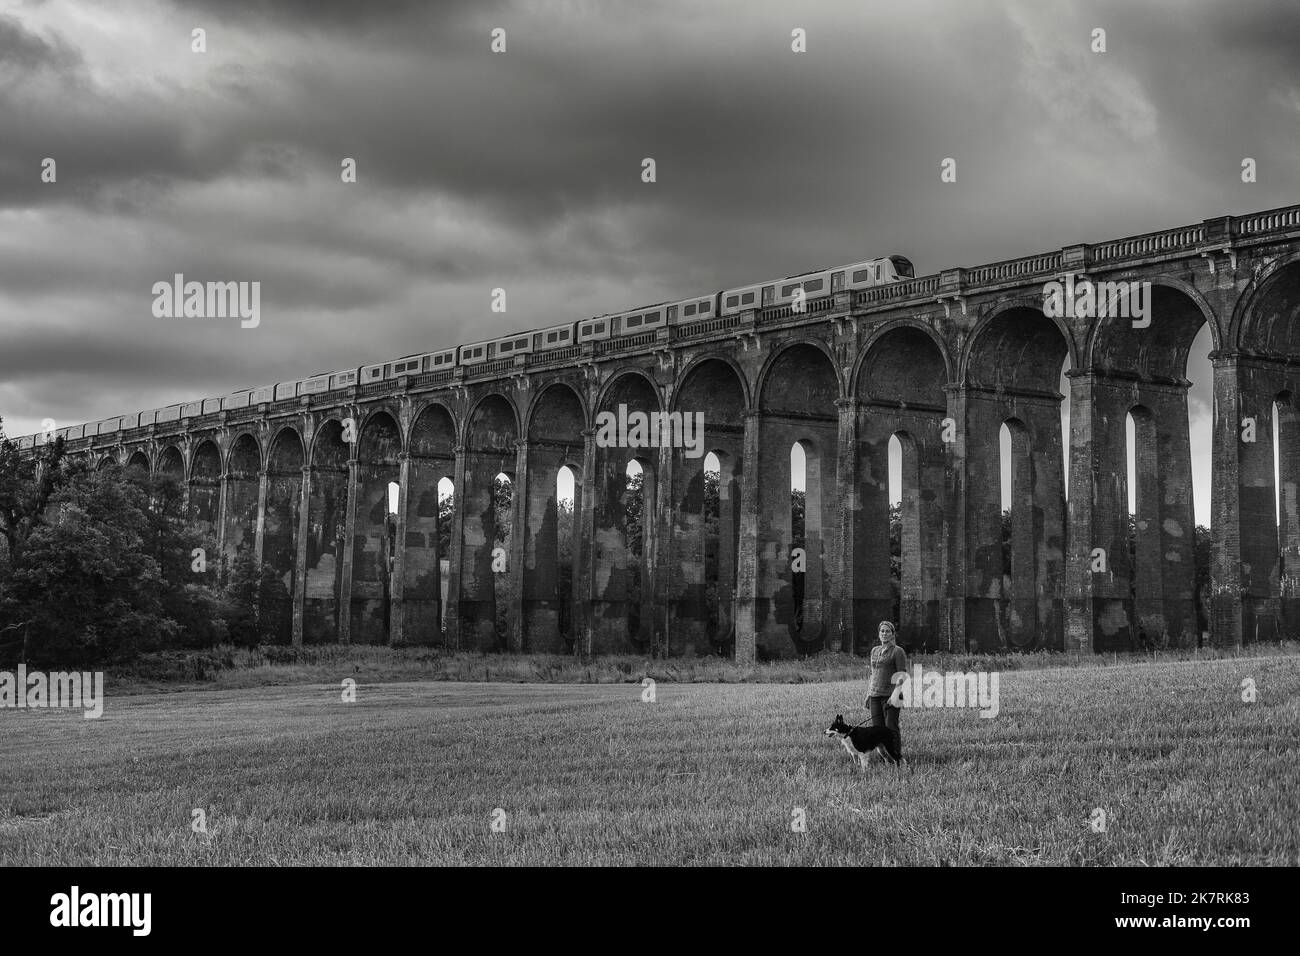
(861, 742)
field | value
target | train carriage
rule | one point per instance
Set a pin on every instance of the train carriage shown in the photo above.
(437, 361)
(344, 379)
(690, 310)
(596, 328)
(520, 343)
(640, 320)
(318, 383)
(474, 354)
(406, 365)
(555, 337)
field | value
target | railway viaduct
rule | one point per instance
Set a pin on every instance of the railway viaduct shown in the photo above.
(940, 361)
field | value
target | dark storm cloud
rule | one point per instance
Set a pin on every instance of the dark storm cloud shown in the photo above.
(23, 50)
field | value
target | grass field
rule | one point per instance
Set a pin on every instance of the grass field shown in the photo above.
(1185, 771)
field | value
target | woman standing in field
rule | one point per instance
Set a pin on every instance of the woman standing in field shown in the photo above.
(887, 659)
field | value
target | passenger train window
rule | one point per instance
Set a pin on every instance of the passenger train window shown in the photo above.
(747, 299)
(733, 300)
(690, 310)
(505, 346)
(600, 326)
(706, 307)
(788, 290)
(814, 285)
(837, 281)
(652, 317)
(633, 321)
(769, 293)
(521, 343)
(862, 275)
(552, 336)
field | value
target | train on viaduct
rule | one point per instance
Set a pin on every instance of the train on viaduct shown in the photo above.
(939, 362)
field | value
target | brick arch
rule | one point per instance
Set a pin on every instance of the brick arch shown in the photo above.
(228, 458)
(1271, 283)
(908, 348)
(542, 403)
(370, 412)
(479, 430)
(379, 437)
(206, 461)
(328, 449)
(1014, 338)
(619, 381)
(1161, 350)
(727, 358)
(772, 360)
(421, 435)
(171, 460)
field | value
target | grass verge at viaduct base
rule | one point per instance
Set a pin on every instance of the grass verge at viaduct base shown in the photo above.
(940, 362)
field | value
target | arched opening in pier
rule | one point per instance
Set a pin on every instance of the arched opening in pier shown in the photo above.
(565, 526)
(1015, 483)
(169, 482)
(720, 520)
(240, 519)
(427, 544)
(555, 454)
(1150, 439)
(446, 521)
(1016, 534)
(901, 456)
(622, 617)
(700, 582)
(1257, 595)
(798, 534)
(205, 488)
(374, 529)
(909, 546)
(798, 401)
(895, 526)
(327, 510)
(489, 590)
(137, 466)
(1286, 507)
(278, 585)
(503, 499)
(633, 506)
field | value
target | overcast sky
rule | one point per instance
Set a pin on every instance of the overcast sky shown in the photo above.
(522, 170)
